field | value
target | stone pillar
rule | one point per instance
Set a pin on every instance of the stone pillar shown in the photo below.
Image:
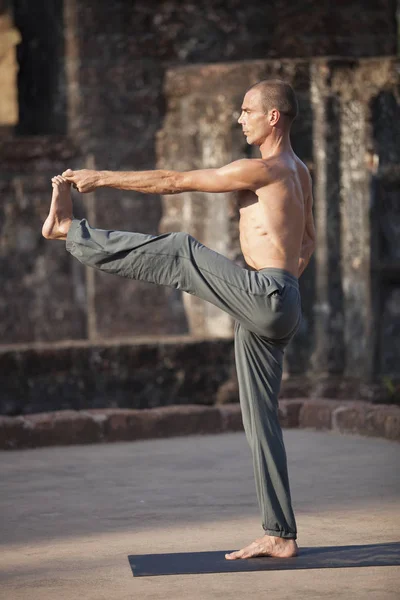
(207, 124)
(328, 358)
(385, 218)
(365, 283)
(356, 237)
(9, 38)
(349, 127)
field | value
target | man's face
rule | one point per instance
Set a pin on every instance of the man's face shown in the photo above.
(253, 120)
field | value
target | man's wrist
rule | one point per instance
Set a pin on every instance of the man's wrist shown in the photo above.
(102, 178)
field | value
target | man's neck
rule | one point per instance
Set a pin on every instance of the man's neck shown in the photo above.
(276, 143)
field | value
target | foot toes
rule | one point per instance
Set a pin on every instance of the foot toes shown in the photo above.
(234, 555)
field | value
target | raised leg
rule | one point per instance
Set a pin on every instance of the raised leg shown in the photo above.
(59, 219)
(178, 260)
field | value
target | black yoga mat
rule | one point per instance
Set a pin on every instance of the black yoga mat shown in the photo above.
(327, 557)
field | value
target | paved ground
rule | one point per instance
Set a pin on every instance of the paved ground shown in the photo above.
(70, 516)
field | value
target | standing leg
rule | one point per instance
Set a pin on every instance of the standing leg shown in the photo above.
(259, 370)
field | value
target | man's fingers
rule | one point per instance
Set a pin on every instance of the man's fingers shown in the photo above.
(69, 176)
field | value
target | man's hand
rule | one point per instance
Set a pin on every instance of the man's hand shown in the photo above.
(84, 180)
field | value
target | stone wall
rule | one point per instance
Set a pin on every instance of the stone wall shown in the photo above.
(95, 70)
(133, 373)
(115, 74)
(116, 59)
(43, 292)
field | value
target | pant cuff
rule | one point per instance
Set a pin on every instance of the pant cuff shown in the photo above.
(72, 231)
(289, 535)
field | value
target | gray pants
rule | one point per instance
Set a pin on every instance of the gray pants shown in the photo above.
(266, 307)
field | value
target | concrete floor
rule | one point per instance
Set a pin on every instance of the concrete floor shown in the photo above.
(71, 516)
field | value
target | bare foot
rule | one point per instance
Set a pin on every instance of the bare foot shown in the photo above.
(268, 545)
(59, 220)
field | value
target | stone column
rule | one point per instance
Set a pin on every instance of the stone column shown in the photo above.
(346, 96)
(356, 237)
(9, 38)
(207, 125)
(328, 358)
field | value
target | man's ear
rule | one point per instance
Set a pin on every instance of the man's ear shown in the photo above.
(274, 116)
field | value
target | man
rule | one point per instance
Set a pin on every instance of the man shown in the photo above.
(277, 240)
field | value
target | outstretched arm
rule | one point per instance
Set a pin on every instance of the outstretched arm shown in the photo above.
(238, 175)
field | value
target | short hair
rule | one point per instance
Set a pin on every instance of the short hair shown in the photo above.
(278, 94)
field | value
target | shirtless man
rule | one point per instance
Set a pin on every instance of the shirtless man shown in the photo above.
(277, 240)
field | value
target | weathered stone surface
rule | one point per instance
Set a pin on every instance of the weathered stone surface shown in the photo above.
(366, 419)
(317, 413)
(42, 296)
(117, 101)
(228, 392)
(289, 412)
(390, 352)
(126, 424)
(231, 417)
(392, 424)
(329, 353)
(355, 104)
(60, 428)
(12, 433)
(134, 375)
(111, 425)
(295, 386)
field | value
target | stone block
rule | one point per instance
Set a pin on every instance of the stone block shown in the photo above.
(123, 424)
(289, 412)
(137, 375)
(231, 416)
(228, 392)
(366, 419)
(317, 413)
(161, 422)
(12, 433)
(187, 420)
(392, 424)
(59, 428)
(350, 419)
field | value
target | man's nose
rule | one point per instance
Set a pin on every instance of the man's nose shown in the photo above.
(240, 118)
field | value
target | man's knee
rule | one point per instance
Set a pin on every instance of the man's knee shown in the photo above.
(182, 242)
(180, 237)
